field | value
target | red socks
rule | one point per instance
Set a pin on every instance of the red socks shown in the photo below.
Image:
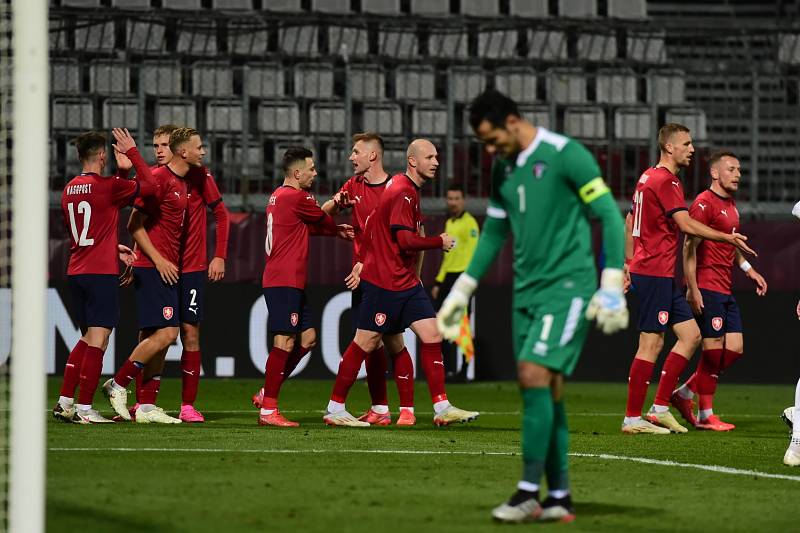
(708, 371)
(638, 379)
(128, 372)
(670, 373)
(149, 392)
(376, 376)
(348, 372)
(90, 370)
(190, 374)
(728, 358)
(274, 373)
(404, 377)
(434, 370)
(72, 371)
(294, 359)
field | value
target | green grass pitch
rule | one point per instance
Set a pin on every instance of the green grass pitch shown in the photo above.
(229, 474)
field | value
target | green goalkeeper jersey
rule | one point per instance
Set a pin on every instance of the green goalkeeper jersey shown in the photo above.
(545, 198)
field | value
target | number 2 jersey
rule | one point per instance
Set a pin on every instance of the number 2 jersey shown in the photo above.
(715, 259)
(292, 215)
(658, 196)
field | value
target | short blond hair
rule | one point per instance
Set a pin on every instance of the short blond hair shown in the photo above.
(666, 132)
(181, 136)
(166, 129)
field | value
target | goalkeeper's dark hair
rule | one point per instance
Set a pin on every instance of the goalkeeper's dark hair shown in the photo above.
(493, 106)
(294, 155)
(89, 144)
(719, 154)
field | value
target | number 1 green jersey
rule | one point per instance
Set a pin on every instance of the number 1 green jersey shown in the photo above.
(545, 197)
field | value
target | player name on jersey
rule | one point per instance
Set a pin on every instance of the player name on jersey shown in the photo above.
(79, 188)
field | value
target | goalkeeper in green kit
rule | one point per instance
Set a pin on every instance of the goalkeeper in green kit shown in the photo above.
(545, 186)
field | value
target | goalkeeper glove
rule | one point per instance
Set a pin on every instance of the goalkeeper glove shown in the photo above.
(454, 306)
(608, 304)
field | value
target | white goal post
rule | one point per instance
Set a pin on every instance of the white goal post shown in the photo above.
(29, 266)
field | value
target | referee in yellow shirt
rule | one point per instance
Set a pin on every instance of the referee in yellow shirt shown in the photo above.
(464, 228)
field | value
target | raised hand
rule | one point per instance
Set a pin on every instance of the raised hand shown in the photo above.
(124, 140)
(123, 163)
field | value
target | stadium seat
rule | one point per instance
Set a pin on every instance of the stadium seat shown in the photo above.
(253, 156)
(597, 47)
(529, 8)
(121, 113)
(176, 112)
(616, 86)
(279, 117)
(547, 45)
(212, 79)
(367, 82)
(789, 48)
(312, 80)
(131, 4)
(647, 47)
(537, 115)
(146, 36)
(224, 115)
(107, 77)
(448, 45)
(466, 83)
(497, 44)
(429, 119)
(566, 86)
(263, 80)
(398, 44)
(161, 77)
(331, 6)
(414, 82)
(58, 37)
(197, 38)
(290, 6)
(95, 35)
(386, 118)
(633, 123)
(430, 7)
(578, 9)
(585, 122)
(72, 114)
(326, 117)
(298, 40)
(518, 83)
(182, 4)
(246, 38)
(344, 38)
(381, 7)
(666, 87)
(80, 3)
(232, 5)
(65, 77)
(480, 8)
(692, 118)
(627, 9)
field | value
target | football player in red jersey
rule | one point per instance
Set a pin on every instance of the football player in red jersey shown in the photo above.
(651, 232)
(90, 203)
(361, 193)
(203, 193)
(156, 276)
(292, 215)
(393, 297)
(707, 266)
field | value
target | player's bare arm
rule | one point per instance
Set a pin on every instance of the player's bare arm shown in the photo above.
(693, 294)
(752, 274)
(690, 226)
(168, 271)
(628, 252)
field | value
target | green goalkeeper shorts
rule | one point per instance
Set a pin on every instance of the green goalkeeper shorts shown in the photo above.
(551, 333)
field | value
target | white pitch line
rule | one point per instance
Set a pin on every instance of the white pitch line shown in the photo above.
(645, 460)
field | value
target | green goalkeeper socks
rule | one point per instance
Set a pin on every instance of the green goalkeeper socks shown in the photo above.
(557, 464)
(537, 426)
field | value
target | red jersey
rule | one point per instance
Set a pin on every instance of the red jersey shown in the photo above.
(715, 259)
(90, 204)
(365, 197)
(658, 195)
(165, 212)
(290, 212)
(386, 264)
(203, 192)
